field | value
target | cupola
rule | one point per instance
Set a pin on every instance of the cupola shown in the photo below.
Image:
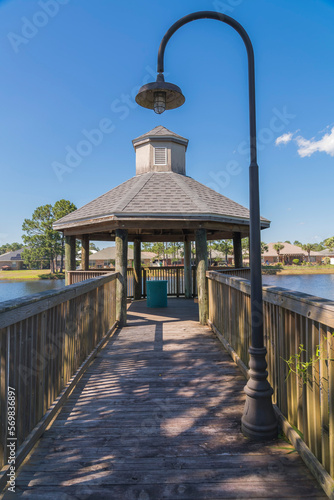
(160, 150)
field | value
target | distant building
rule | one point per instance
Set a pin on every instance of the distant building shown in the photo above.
(13, 259)
(287, 254)
(325, 254)
(106, 258)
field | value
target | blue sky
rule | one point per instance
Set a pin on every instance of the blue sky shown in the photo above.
(70, 66)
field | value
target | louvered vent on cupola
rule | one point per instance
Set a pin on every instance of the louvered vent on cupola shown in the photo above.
(160, 156)
(160, 150)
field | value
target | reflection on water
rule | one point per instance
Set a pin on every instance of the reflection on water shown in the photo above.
(13, 289)
(320, 285)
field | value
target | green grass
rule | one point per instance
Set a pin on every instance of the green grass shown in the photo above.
(24, 274)
(307, 269)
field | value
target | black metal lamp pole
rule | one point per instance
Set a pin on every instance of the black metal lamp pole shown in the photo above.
(259, 420)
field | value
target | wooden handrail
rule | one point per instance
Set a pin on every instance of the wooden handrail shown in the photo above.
(174, 275)
(291, 320)
(44, 339)
(12, 311)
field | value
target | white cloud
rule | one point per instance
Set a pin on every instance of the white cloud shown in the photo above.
(284, 139)
(306, 147)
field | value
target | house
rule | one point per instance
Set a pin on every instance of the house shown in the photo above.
(215, 257)
(106, 258)
(323, 255)
(13, 260)
(286, 255)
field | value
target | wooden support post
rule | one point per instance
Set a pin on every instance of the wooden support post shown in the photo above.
(70, 249)
(121, 267)
(237, 250)
(144, 282)
(187, 269)
(202, 266)
(85, 253)
(137, 268)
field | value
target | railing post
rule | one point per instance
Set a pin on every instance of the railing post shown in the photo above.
(177, 281)
(187, 269)
(202, 267)
(144, 283)
(237, 250)
(121, 267)
(194, 281)
(85, 252)
(69, 257)
(137, 269)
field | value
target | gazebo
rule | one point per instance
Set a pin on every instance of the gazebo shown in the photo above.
(160, 203)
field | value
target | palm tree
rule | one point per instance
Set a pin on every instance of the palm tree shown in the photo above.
(329, 243)
(308, 247)
(278, 247)
(224, 246)
(264, 247)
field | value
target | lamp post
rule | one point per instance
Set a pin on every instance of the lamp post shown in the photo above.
(259, 421)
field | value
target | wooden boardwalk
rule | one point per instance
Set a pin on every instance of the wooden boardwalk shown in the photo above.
(157, 416)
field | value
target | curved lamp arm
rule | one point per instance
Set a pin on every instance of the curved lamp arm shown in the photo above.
(250, 53)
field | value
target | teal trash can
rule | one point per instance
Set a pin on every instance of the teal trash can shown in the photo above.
(156, 293)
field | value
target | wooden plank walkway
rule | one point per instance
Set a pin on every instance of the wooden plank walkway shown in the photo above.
(157, 416)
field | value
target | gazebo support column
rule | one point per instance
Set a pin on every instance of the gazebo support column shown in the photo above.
(237, 250)
(202, 266)
(187, 270)
(137, 268)
(70, 249)
(85, 253)
(121, 265)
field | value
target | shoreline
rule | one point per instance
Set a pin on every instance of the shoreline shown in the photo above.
(22, 280)
(25, 275)
(302, 272)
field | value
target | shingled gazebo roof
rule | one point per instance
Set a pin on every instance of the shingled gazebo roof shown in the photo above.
(159, 203)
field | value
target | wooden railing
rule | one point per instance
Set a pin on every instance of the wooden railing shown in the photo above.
(173, 274)
(294, 324)
(242, 272)
(44, 339)
(78, 276)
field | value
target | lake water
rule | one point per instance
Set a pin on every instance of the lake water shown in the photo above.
(13, 289)
(320, 285)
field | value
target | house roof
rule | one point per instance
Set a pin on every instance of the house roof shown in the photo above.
(325, 253)
(288, 249)
(15, 255)
(110, 254)
(162, 195)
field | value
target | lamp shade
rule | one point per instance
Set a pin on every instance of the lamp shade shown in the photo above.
(160, 95)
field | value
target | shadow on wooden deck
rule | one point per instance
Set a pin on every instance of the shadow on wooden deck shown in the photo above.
(157, 416)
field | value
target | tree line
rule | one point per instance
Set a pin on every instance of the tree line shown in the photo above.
(42, 245)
